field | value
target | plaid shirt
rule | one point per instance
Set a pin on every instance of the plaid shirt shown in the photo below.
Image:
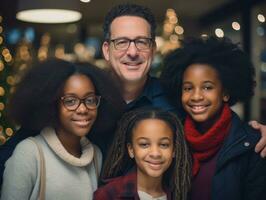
(122, 187)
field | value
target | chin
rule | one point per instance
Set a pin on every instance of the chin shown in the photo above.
(199, 118)
(82, 133)
(154, 173)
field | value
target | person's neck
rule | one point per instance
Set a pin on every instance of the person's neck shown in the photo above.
(204, 127)
(150, 185)
(70, 142)
(132, 90)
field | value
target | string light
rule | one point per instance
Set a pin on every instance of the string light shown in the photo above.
(1, 66)
(179, 30)
(9, 132)
(219, 32)
(204, 35)
(2, 139)
(170, 12)
(5, 87)
(261, 18)
(2, 106)
(174, 38)
(236, 26)
(10, 80)
(172, 32)
(173, 19)
(168, 28)
(2, 91)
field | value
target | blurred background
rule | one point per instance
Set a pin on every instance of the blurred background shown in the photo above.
(77, 36)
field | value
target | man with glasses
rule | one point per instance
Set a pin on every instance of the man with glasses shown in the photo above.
(129, 47)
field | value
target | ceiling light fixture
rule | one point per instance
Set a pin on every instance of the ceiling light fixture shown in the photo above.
(48, 11)
(85, 1)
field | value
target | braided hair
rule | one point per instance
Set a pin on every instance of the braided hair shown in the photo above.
(177, 177)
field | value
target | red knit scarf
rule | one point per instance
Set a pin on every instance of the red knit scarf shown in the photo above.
(206, 145)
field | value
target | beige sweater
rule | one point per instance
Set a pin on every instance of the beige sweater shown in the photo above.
(67, 177)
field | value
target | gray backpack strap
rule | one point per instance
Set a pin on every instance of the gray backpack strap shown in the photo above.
(95, 163)
(42, 170)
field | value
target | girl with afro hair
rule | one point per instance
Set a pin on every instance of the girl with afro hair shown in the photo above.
(204, 78)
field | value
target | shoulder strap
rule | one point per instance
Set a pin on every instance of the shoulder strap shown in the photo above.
(95, 163)
(42, 170)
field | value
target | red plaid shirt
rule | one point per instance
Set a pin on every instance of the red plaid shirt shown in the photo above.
(122, 187)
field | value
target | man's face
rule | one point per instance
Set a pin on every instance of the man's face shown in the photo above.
(130, 65)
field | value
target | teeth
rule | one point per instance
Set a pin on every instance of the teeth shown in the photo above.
(155, 166)
(82, 122)
(197, 107)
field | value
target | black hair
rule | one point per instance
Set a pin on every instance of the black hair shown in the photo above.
(234, 67)
(34, 104)
(177, 177)
(128, 10)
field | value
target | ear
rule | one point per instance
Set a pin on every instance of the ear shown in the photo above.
(154, 47)
(105, 50)
(226, 97)
(130, 150)
(173, 152)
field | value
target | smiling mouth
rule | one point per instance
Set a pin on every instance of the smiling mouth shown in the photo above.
(132, 65)
(155, 165)
(82, 123)
(198, 109)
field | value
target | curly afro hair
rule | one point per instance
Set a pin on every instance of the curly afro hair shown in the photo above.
(234, 67)
(34, 104)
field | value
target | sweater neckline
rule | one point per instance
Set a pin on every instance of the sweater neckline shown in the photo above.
(54, 143)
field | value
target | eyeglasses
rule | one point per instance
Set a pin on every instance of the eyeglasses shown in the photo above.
(140, 43)
(71, 103)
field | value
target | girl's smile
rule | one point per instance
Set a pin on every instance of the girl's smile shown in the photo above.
(152, 147)
(202, 94)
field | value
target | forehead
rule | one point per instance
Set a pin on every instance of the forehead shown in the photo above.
(152, 129)
(201, 71)
(78, 82)
(130, 26)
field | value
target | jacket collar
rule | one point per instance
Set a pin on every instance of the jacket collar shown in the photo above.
(132, 192)
(240, 139)
(151, 89)
(131, 181)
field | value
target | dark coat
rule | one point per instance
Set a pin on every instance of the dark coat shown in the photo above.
(240, 172)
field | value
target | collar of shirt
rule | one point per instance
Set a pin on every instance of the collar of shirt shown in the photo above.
(151, 90)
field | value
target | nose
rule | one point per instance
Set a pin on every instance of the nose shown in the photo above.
(82, 108)
(155, 151)
(197, 95)
(132, 50)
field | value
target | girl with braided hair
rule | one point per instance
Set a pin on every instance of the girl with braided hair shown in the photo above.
(149, 145)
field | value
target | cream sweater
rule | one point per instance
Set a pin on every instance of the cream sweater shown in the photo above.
(67, 177)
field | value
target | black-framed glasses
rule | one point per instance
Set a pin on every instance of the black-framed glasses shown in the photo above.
(140, 43)
(71, 102)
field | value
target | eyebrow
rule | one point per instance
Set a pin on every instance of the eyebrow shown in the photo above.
(189, 82)
(74, 94)
(144, 138)
(138, 37)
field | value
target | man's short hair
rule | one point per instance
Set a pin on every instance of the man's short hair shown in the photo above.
(128, 10)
